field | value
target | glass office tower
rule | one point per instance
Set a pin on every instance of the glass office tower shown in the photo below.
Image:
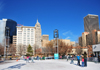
(12, 26)
(91, 22)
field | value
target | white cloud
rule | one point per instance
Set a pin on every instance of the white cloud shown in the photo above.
(1, 6)
(68, 32)
(70, 35)
(67, 37)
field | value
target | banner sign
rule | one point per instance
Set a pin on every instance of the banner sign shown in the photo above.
(96, 47)
(56, 56)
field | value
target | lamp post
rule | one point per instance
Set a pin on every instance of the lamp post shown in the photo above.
(7, 31)
(56, 36)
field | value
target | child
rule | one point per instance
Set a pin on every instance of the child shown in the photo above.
(82, 61)
(72, 59)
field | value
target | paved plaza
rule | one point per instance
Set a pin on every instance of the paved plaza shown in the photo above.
(46, 65)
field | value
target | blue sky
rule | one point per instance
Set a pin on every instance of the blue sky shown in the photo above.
(64, 15)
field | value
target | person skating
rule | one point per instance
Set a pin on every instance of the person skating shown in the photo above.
(67, 57)
(82, 61)
(27, 59)
(85, 59)
(72, 59)
(32, 58)
(78, 59)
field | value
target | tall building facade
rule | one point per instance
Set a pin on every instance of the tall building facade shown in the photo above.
(80, 41)
(94, 36)
(14, 40)
(66, 41)
(98, 36)
(12, 26)
(84, 38)
(45, 40)
(38, 34)
(28, 35)
(91, 22)
(25, 37)
(45, 37)
(91, 38)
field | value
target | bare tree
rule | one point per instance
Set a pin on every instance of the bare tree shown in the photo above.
(12, 49)
(89, 50)
(21, 49)
(1, 50)
(62, 47)
(78, 50)
(36, 49)
(50, 48)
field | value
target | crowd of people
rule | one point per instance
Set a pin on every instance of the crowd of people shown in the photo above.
(84, 59)
(27, 58)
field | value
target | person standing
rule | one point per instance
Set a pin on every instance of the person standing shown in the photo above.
(32, 58)
(78, 60)
(72, 58)
(82, 61)
(27, 59)
(85, 59)
(67, 57)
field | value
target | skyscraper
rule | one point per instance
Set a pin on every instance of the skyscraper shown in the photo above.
(91, 22)
(84, 34)
(38, 34)
(12, 26)
(25, 37)
(28, 35)
(80, 41)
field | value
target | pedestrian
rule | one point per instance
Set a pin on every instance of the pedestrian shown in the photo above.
(41, 57)
(72, 59)
(78, 59)
(24, 58)
(27, 59)
(60, 57)
(82, 61)
(37, 57)
(85, 59)
(67, 57)
(32, 58)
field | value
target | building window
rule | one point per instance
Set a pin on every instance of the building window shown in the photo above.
(28, 36)
(28, 29)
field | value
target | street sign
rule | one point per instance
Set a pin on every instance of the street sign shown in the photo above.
(96, 47)
(56, 56)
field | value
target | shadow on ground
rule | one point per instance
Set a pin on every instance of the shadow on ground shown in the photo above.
(14, 66)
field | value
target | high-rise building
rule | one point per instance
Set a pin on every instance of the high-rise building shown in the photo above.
(80, 41)
(28, 35)
(98, 36)
(14, 40)
(45, 40)
(94, 36)
(91, 22)
(66, 41)
(84, 38)
(11, 24)
(38, 34)
(91, 38)
(25, 37)
(45, 37)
